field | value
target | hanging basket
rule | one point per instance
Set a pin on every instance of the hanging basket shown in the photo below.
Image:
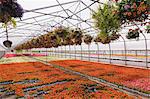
(133, 34)
(9, 9)
(88, 39)
(60, 32)
(76, 34)
(114, 36)
(106, 40)
(97, 39)
(133, 10)
(69, 41)
(4, 15)
(78, 41)
(17, 10)
(7, 43)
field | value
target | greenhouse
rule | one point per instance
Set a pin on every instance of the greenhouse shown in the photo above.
(74, 49)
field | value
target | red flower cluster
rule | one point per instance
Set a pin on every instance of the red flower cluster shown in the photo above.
(47, 86)
(16, 55)
(112, 73)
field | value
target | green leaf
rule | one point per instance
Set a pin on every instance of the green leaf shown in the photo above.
(13, 22)
(4, 25)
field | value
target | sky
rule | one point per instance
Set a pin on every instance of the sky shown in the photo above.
(20, 34)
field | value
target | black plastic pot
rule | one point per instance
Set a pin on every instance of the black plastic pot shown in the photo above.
(7, 43)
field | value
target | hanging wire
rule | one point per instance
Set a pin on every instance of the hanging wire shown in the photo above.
(6, 33)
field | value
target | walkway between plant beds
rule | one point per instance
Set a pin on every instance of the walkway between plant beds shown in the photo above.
(98, 80)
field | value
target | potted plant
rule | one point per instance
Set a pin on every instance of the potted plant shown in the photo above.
(107, 22)
(105, 38)
(114, 36)
(76, 36)
(133, 34)
(88, 39)
(10, 9)
(61, 31)
(133, 10)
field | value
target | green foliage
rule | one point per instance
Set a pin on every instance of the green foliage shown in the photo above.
(18, 51)
(12, 22)
(148, 27)
(106, 20)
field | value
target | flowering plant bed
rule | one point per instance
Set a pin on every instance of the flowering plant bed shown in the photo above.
(34, 79)
(131, 77)
(17, 55)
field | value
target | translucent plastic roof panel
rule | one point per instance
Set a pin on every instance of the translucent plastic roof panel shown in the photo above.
(43, 15)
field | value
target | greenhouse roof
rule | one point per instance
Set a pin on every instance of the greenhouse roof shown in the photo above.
(42, 16)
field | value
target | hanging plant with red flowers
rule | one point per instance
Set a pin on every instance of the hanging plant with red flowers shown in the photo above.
(133, 10)
(76, 36)
(133, 34)
(88, 39)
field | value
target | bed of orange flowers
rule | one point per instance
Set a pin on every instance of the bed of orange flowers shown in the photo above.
(35, 79)
(138, 79)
